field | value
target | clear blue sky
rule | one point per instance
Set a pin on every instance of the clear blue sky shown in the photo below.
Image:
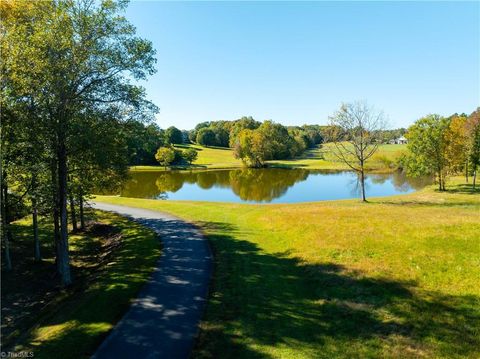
(295, 63)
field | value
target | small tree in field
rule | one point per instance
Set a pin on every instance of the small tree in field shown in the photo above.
(165, 156)
(190, 155)
(356, 131)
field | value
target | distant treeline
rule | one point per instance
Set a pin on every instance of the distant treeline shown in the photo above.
(253, 141)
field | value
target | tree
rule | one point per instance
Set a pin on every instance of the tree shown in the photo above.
(456, 139)
(428, 148)
(165, 156)
(66, 58)
(205, 137)
(142, 141)
(173, 136)
(356, 132)
(278, 142)
(190, 155)
(473, 133)
(239, 125)
(251, 148)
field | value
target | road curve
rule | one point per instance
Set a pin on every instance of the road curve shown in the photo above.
(163, 321)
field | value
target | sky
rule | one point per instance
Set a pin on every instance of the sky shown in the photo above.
(295, 63)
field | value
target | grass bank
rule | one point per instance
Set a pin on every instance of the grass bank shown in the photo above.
(396, 277)
(110, 262)
(318, 158)
(322, 158)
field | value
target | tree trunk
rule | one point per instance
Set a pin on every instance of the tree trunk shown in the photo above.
(362, 180)
(56, 225)
(36, 240)
(5, 229)
(466, 171)
(474, 177)
(82, 217)
(63, 259)
(73, 215)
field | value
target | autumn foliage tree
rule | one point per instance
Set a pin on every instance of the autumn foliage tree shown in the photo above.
(165, 156)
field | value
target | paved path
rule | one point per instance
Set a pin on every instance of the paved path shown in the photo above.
(163, 321)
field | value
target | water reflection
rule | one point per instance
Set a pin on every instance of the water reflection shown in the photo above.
(263, 185)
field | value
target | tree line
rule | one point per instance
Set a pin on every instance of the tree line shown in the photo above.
(69, 111)
(444, 146)
(437, 146)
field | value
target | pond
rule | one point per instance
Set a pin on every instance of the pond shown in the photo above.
(270, 185)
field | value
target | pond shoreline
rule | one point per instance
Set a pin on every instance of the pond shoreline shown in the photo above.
(265, 185)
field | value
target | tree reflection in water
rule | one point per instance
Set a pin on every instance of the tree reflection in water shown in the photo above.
(256, 185)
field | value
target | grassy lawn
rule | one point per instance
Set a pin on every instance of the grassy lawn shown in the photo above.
(208, 158)
(322, 158)
(318, 158)
(396, 277)
(110, 263)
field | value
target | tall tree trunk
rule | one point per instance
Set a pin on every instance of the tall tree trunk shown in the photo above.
(5, 229)
(82, 217)
(63, 259)
(73, 215)
(36, 240)
(56, 217)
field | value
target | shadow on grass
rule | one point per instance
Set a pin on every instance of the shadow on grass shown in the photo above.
(103, 287)
(273, 304)
(262, 302)
(428, 203)
(466, 188)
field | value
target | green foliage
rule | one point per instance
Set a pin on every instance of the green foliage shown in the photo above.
(239, 125)
(428, 148)
(206, 137)
(473, 142)
(190, 155)
(251, 148)
(142, 142)
(67, 70)
(165, 156)
(271, 141)
(173, 136)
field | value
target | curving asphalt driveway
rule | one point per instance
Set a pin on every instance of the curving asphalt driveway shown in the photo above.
(163, 320)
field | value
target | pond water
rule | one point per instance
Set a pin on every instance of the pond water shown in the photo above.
(270, 185)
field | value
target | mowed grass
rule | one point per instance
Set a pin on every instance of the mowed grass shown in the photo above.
(107, 277)
(396, 277)
(321, 157)
(318, 158)
(208, 158)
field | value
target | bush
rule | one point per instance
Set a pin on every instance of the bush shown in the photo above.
(190, 155)
(165, 156)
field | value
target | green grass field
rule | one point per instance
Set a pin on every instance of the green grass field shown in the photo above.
(396, 277)
(107, 275)
(322, 158)
(208, 158)
(319, 158)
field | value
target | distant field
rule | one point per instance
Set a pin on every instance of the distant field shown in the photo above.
(317, 158)
(322, 158)
(393, 278)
